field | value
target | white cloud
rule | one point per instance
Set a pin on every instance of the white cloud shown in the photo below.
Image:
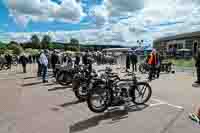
(148, 20)
(123, 7)
(24, 11)
(99, 15)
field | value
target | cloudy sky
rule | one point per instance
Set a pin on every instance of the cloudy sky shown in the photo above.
(98, 21)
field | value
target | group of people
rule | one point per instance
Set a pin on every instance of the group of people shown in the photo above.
(6, 60)
(153, 61)
(46, 60)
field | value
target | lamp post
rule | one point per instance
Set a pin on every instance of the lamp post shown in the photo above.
(140, 42)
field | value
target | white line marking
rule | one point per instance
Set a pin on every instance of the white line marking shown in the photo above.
(156, 104)
(164, 102)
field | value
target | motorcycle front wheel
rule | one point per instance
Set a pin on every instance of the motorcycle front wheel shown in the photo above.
(80, 92)
(141, 93)
(99, 100)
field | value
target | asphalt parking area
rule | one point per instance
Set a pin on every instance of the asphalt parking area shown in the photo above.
(156, 117)
(52, 108)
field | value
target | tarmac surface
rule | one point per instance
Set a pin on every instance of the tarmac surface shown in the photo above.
(29, 106)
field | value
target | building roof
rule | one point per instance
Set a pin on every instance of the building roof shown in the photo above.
(179, 36)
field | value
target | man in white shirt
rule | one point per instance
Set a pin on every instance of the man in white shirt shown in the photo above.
(44, 62)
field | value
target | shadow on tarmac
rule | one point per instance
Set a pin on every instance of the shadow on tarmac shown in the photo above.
(29, 77)
(60, 88)
(70, 103)
(50, 84)
(31, 84)
(115, 116)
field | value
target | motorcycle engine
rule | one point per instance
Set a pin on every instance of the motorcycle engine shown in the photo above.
(124, 93)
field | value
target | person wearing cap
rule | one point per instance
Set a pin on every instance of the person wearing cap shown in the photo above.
(152, 61)
(44, 63)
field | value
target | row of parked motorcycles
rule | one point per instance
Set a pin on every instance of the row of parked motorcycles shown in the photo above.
(103, 88)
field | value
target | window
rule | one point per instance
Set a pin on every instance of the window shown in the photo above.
(189, 44)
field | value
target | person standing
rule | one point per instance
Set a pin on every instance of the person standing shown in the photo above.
(23, 60)
(134, 61)
(9, 60)
(127, 62)
(44, 63)
(85, 58)
(54, 61)
(158, 65)
(197, 65)
(77, 60)
(152, 61)
(30, 59)
(39, 65)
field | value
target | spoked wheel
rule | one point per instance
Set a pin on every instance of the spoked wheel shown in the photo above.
(99, 100)
(64, 79)
(142, 69)
(169, 69)
(15, 63)
(1, 67)
(80, 90)
(142, 93)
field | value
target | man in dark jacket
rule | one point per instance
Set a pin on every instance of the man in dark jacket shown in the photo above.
(134, 62)
(85, 58)
(9, 60)
(127, 62)
(39, 72)
(77, 60)
(23, 60)
(54, 61)
(197, 64)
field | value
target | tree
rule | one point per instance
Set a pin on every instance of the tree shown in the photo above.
(35, 41)
(46, 41)
(74, 42)
(16, 49)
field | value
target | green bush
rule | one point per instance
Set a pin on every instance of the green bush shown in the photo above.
(183, 62)
(32, 51)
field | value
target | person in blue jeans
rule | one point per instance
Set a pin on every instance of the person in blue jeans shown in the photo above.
(44, 64)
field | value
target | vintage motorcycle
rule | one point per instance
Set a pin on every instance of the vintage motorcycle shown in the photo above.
(64, 75)
(110, 90)
(82, 82)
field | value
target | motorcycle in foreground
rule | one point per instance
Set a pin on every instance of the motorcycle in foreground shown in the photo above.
(111, 91)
